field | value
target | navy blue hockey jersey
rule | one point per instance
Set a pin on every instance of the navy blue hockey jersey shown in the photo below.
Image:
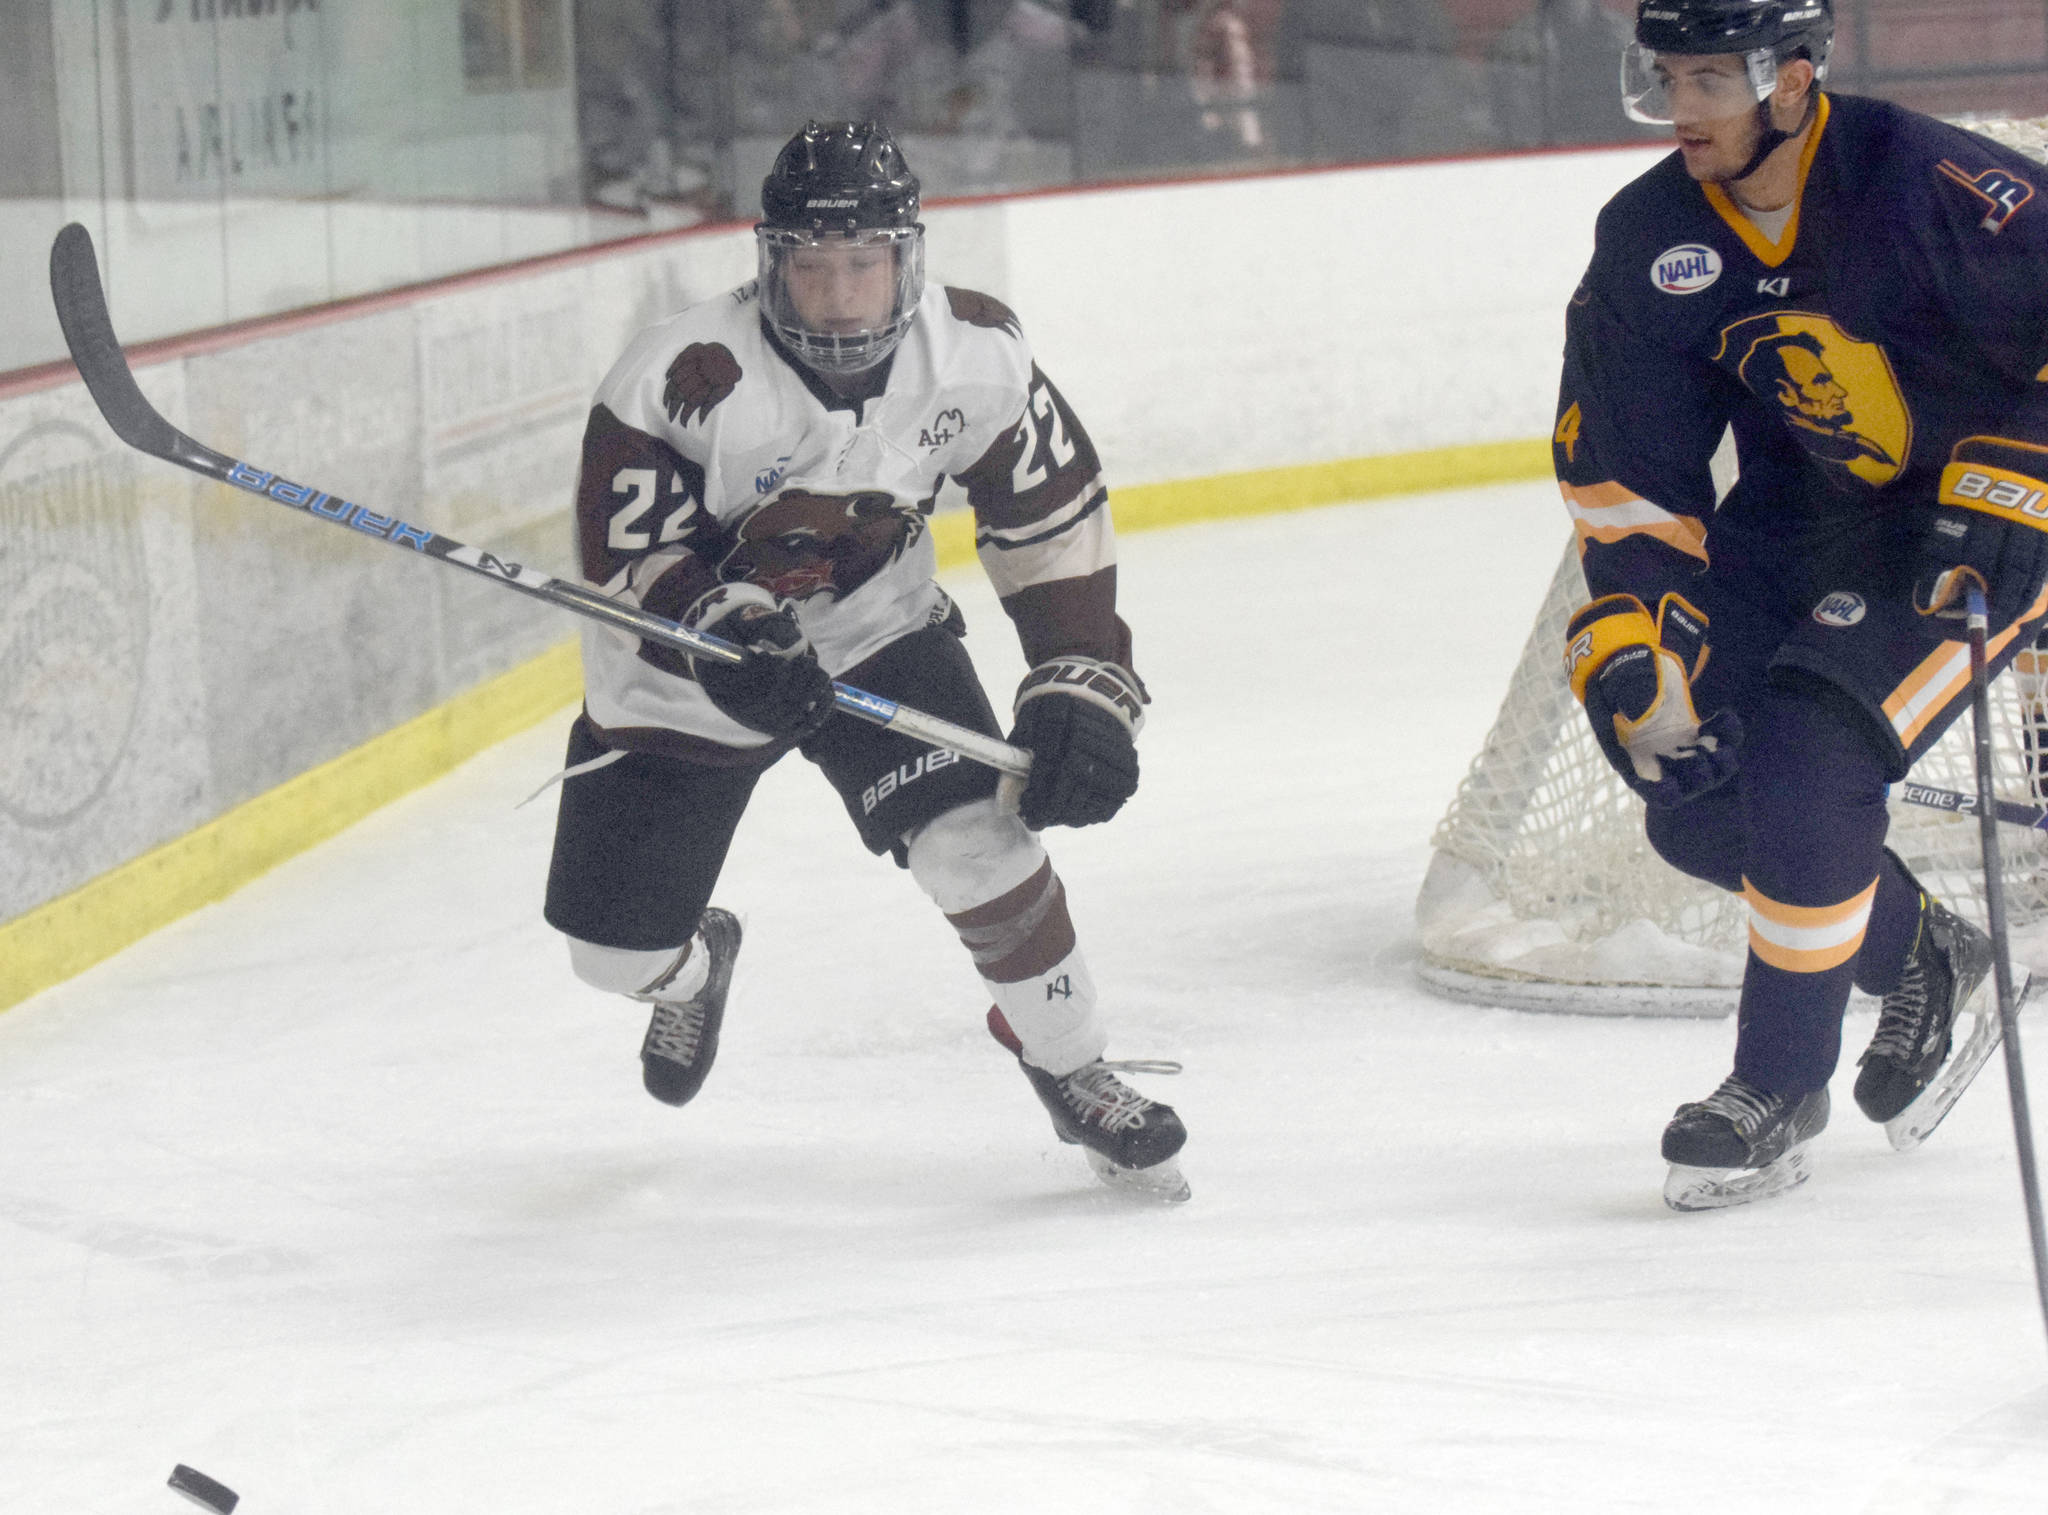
(1886, 352)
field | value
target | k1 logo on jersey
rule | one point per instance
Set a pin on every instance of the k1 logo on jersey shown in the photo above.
(1685, 269)
(1844, 607)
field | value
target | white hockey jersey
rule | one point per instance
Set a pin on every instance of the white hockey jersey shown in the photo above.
(711, 456)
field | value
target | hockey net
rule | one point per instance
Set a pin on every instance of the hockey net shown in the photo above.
(1544, 894)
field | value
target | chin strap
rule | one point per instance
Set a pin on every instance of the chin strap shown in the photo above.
(1773, 139)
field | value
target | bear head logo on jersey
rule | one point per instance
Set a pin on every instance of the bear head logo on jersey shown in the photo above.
(803, 543)
(1838, 396)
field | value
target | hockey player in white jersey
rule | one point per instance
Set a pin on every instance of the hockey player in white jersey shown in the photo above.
(763, 467)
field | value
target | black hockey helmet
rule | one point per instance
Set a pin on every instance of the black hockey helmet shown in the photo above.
(840, 176)
(1765, 34)
(840, 189)
(1784, 28)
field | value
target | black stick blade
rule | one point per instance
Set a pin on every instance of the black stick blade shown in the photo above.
(89, 333)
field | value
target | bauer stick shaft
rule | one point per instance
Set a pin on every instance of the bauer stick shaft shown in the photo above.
(2001, 963)
(89, 332)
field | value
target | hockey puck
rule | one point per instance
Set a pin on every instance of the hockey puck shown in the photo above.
(203, 1491)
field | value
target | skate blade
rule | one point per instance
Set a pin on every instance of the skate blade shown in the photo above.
(1914, 1124)
(1163, 1183)
(1718, 1188)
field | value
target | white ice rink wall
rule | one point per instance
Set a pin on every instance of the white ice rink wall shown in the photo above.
(195, 684)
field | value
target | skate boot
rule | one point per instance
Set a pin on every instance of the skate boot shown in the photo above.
(682, 1035)
(1915, 1028)
(1740, 1143)
(1129, 1140)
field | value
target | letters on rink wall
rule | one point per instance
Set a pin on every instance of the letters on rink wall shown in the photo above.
(170, 648)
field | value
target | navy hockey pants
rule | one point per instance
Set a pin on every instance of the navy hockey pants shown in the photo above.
(1835, 703)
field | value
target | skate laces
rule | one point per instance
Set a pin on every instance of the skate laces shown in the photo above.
(1742, 1103)
(1905, 1012)
(1904, 1020)
(675, 1031)
(1099, 1097)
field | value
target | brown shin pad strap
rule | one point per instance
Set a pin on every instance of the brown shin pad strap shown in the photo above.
(1020, 934)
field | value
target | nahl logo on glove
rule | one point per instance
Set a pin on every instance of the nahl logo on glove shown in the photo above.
(1634, 676)
(778, 687)
(1080, 718)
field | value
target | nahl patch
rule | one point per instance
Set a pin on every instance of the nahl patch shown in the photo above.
(904, 775)
(1844, 607)
(1685, 269)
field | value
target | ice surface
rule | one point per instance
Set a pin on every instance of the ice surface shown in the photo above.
(345, 1192)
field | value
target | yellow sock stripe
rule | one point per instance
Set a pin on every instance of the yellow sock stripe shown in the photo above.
(54, 941)
(1806, 938)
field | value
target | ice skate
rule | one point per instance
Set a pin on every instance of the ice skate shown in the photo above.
(1129, 1140)
(682, 1035)
(1739, 1144)
(1914, 1124)
(1916, 1027)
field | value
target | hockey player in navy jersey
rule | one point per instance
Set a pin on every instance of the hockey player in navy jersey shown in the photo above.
(1860, 294)
(763, 467)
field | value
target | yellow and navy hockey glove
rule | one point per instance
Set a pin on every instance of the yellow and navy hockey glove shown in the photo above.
(1634, 676)
(1992, 526)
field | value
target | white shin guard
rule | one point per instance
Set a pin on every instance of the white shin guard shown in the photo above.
(1054, 1015)
(972, 854)
(978, 853)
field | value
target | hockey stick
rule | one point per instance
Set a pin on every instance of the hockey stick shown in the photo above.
(2001, 963)
(89, 332)
(1958, 803)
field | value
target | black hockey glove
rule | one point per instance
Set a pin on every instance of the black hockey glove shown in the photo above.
(1080, 718)
(1634, 676)
(779, 689)
(2007, 556)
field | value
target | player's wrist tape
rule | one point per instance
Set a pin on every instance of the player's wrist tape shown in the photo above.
(1618, 621)
(1998, 478)
(1092, 679)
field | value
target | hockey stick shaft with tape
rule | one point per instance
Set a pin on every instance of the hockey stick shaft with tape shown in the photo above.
(2001, 962)
(89, 332)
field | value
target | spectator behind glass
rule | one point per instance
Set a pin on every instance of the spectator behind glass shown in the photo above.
(1230, 64)
(646, 87)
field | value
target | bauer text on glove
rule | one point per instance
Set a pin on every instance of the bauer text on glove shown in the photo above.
(1990, 526)
(1079, 717)
(1634, 676)
(778, 688)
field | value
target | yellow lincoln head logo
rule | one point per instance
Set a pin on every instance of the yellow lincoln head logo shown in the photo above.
(1837, 395)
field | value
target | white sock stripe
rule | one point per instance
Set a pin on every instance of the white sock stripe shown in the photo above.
(1810, 938)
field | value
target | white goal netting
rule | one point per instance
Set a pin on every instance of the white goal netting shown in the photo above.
(1544, 894)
